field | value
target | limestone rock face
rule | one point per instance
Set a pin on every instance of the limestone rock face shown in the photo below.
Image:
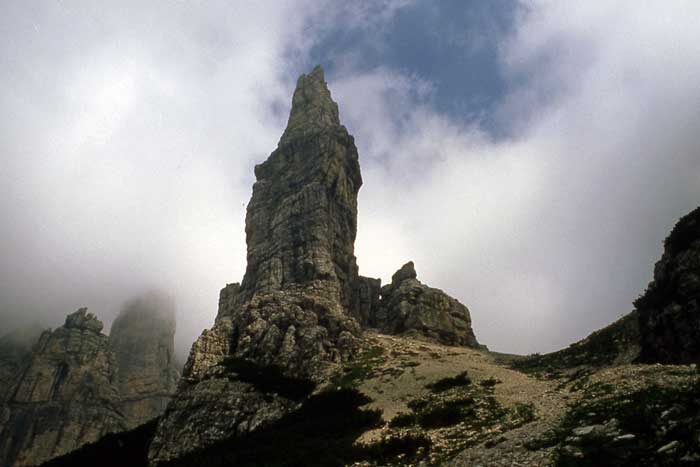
(366, 299)
(15, 349)
(302, 218)
(296, 304)
(65, 397)
(669, 310)
(409, 307)
(142, 337)
(76, 384)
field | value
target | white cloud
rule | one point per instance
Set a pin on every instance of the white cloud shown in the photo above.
(551, 233)
(129, 139)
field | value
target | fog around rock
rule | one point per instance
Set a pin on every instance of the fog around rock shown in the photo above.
(130, 133)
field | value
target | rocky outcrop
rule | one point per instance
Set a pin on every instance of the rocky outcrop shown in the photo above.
(15, 349)
(65, 397)
(409, 307)
(367, 299)
(669, 310)
(76, 384)
(294, 308)
(142, 337)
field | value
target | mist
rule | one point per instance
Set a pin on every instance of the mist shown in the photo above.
(130, 133)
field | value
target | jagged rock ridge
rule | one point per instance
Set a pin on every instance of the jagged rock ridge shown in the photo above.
(77, 384)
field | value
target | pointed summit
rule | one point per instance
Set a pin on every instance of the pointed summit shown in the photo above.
(313, 109)
(296, 304)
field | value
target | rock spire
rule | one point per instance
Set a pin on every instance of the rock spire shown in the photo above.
(296, 304)
(300, 307)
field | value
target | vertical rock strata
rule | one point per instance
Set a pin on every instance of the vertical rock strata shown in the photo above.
(15, 350)
(298, 300)
(143, 337)
(64, 397)
(75, 384)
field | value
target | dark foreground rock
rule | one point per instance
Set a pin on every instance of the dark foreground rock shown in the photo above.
(669, 310)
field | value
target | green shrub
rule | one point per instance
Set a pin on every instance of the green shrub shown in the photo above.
(448, 383)
(446, 414)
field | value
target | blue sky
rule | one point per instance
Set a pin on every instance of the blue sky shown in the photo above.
(528, 156)
(454, 45)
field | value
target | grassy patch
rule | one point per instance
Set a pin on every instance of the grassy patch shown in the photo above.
(525, 413)
(460, 416)
(361, 369)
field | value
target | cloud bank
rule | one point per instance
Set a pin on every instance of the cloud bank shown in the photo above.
(130, 133)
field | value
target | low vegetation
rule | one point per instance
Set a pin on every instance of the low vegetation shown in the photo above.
(444, 384)
(457, 414)
(605, 347)
(654, 425)
(268, 379)
(361, 368)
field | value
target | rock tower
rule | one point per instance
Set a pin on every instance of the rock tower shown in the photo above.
(300, 308)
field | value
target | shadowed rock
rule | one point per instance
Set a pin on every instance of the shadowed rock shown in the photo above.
(669, 310)
(15, 349)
